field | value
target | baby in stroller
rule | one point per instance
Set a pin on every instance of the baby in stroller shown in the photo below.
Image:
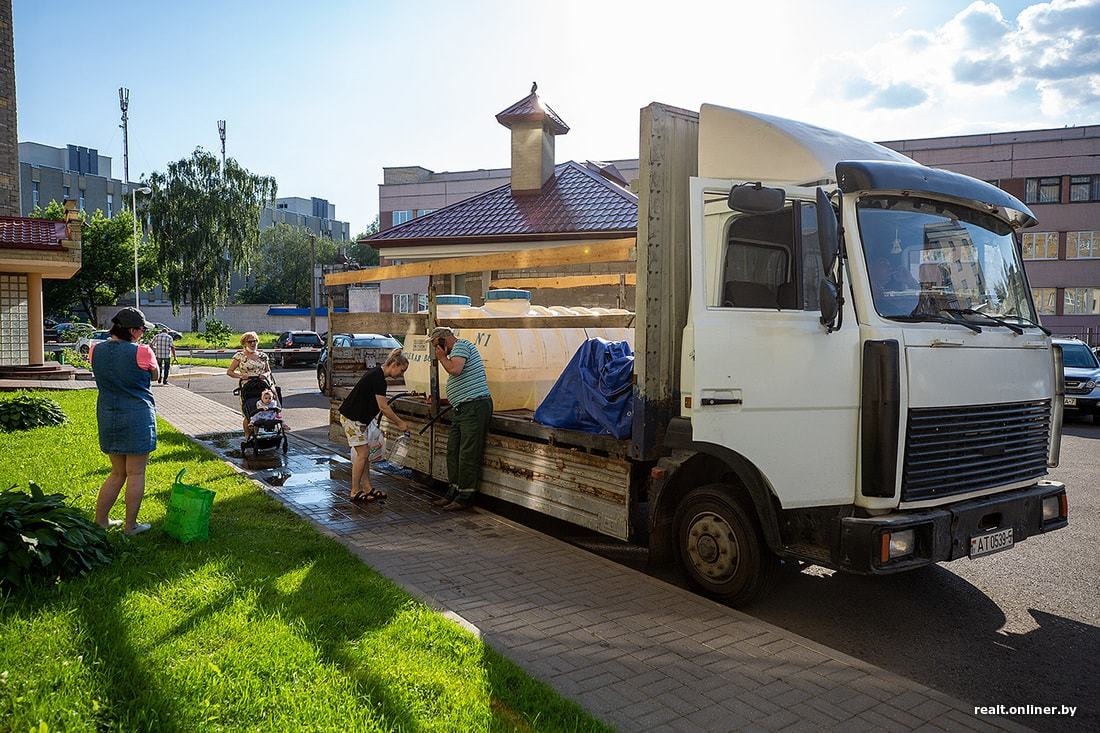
(260, 404)
(267, 411)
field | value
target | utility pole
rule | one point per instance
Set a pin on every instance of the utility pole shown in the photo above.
(124, 105)
(313, 284)
(221, 134)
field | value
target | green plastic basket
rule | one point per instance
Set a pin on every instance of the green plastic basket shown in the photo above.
(188, 511)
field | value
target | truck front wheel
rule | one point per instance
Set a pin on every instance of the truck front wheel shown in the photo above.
(720, 546)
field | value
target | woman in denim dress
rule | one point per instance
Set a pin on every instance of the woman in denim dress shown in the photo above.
(124, 370)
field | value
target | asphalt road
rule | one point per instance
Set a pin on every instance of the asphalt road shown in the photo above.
(1016, 628)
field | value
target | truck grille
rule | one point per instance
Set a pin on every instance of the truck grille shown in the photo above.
(955, 450)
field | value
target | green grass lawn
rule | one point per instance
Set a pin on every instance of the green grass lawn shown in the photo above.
(267, 626)
(201, 361)
(195, 340)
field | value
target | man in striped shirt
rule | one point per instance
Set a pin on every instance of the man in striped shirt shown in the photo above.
(165, 351)
(472, 405)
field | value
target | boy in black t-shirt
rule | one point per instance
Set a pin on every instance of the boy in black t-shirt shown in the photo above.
(357, 415)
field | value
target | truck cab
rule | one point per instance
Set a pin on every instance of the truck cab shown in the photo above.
(864, 383)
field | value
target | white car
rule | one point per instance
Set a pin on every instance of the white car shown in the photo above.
(85, 344)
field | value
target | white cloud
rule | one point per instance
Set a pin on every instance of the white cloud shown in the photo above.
(978, 61)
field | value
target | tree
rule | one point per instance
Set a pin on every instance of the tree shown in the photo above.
(106, 262)
(283, 268)
(207, 226)
(364, 254)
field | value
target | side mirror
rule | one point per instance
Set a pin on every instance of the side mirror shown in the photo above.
(828, 299)
(826, 232)
(753, 198)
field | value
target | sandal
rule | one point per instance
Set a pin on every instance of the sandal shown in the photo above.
(376, 494)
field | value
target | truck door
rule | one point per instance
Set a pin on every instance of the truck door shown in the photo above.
(769, 382)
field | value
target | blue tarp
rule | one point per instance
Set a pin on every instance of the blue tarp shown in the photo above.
(287, 310)
(594, 393)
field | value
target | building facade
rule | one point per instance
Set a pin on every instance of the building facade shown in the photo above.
(1056, 173)
(315, 214)
(74, 172)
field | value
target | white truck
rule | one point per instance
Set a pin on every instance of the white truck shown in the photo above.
(838, 362)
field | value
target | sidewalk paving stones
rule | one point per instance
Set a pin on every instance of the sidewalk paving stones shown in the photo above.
(636, 652)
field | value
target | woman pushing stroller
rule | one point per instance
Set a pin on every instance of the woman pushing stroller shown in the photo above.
(250, 363)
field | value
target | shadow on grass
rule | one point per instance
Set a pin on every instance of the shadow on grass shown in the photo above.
(329, 608)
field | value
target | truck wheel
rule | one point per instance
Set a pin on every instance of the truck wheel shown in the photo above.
(322, 381)
(720, 546)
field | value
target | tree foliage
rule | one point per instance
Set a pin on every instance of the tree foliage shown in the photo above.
(206, 223)
(106, 262)
(282, 269)
(364, 254)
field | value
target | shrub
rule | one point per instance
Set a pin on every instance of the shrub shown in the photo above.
(41, 538)
(26, 411)
(217, 332)
(76, 359)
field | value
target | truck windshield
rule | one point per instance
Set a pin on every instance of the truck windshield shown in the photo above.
(930, 260)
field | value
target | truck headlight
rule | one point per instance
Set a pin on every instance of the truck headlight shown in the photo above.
(1053, 508)
(899, 544)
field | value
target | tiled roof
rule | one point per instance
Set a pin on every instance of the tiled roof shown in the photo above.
(22, 233)
(577, 200)
(530, 108)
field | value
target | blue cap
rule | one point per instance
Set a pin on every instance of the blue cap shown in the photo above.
(452, 300)
(508, 294)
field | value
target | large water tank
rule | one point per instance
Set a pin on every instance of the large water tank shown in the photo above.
(521, 365)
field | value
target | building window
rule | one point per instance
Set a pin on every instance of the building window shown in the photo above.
(1082, 245)
(34, 194)
(110, 205)
(82, 201)
(1081, 302)
(1040, 245)
(423, 212)
(68, 192)
(1043, 190)
(402, 303)
(400, 217)
(1084, 188)
(1046, 300)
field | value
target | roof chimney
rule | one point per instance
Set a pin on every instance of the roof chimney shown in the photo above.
(533, 125)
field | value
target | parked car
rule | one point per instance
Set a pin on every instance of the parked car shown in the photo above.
(70, 332)
(158, 327)
(84, 345)
(297, 340)
(1082, 372)
(375, 348)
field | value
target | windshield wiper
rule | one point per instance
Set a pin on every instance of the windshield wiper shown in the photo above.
(989, 317)
(1028, 322)
(926, 318)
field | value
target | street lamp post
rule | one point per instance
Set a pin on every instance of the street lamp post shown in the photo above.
(133, 210)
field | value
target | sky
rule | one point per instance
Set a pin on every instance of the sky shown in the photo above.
(323, 95)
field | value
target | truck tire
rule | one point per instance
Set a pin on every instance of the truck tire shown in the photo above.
(721, 547)
(322, 381)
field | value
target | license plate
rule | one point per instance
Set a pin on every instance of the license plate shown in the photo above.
(990, 543)
(1070, 401)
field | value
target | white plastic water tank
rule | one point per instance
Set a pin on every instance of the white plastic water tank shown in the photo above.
(521, 365)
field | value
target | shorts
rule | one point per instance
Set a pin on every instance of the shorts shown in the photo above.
(354, 431)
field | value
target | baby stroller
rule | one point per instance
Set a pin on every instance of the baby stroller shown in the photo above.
(266, 434)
